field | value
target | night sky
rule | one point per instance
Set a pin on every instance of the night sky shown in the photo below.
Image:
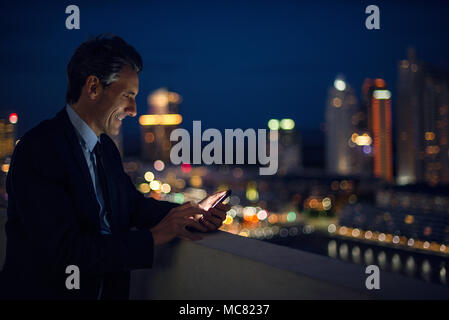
(236, 63)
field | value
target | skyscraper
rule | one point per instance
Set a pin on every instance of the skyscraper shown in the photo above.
(156, 126)
(377, 100)
(289, 147)
(422, 122)
(341, 106)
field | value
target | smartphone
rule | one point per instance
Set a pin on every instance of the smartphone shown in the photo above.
(210, 202)
(214, 199)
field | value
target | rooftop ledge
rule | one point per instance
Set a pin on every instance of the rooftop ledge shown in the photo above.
(226, 266)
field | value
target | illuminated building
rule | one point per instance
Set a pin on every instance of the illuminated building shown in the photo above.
(377, 101)
(7, 135)
(422, 123)
(290, 152)
(340, 109)
(8, 129)
(156, 126)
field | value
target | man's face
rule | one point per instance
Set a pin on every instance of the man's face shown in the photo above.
(118, 101)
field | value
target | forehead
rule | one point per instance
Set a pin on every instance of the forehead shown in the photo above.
(128, 79)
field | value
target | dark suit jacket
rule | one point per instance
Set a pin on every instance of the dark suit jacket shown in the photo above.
(53, 219)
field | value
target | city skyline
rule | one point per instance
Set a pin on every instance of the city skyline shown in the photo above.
(252, 62)
(346, 116)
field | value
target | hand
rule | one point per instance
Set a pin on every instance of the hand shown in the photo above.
(175, 222)
(213, 219)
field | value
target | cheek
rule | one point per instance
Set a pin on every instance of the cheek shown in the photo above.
(115, 110)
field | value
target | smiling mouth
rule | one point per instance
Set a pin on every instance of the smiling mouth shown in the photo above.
(119, 117)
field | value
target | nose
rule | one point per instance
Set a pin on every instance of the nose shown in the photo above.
(131, 109)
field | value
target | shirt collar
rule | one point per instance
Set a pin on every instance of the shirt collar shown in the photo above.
(87, 135)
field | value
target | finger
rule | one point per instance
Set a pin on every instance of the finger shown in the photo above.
(223, 207)
(190, 211)
(194, 224)
(214, 220)
(210, 226)
(211, 218)
(218, 213)
(181, 208)
(184, 206)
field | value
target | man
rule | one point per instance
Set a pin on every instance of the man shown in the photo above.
(71, 203)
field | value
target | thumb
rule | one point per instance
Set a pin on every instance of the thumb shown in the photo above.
(184, 206)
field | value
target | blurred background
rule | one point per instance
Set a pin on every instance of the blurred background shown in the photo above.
(362, 115)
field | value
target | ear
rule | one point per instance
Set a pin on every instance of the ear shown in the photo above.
(93, 87)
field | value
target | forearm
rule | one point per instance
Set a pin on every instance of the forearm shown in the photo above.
(152, 211)
(147, 212)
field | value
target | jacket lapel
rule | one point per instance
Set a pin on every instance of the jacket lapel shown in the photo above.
(111, 182)
(77, 152)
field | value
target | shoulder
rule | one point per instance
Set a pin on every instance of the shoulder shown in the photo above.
(38, 156)
(42, 137)
(40, 146)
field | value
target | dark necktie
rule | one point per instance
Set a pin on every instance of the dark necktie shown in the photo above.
(102, 179)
